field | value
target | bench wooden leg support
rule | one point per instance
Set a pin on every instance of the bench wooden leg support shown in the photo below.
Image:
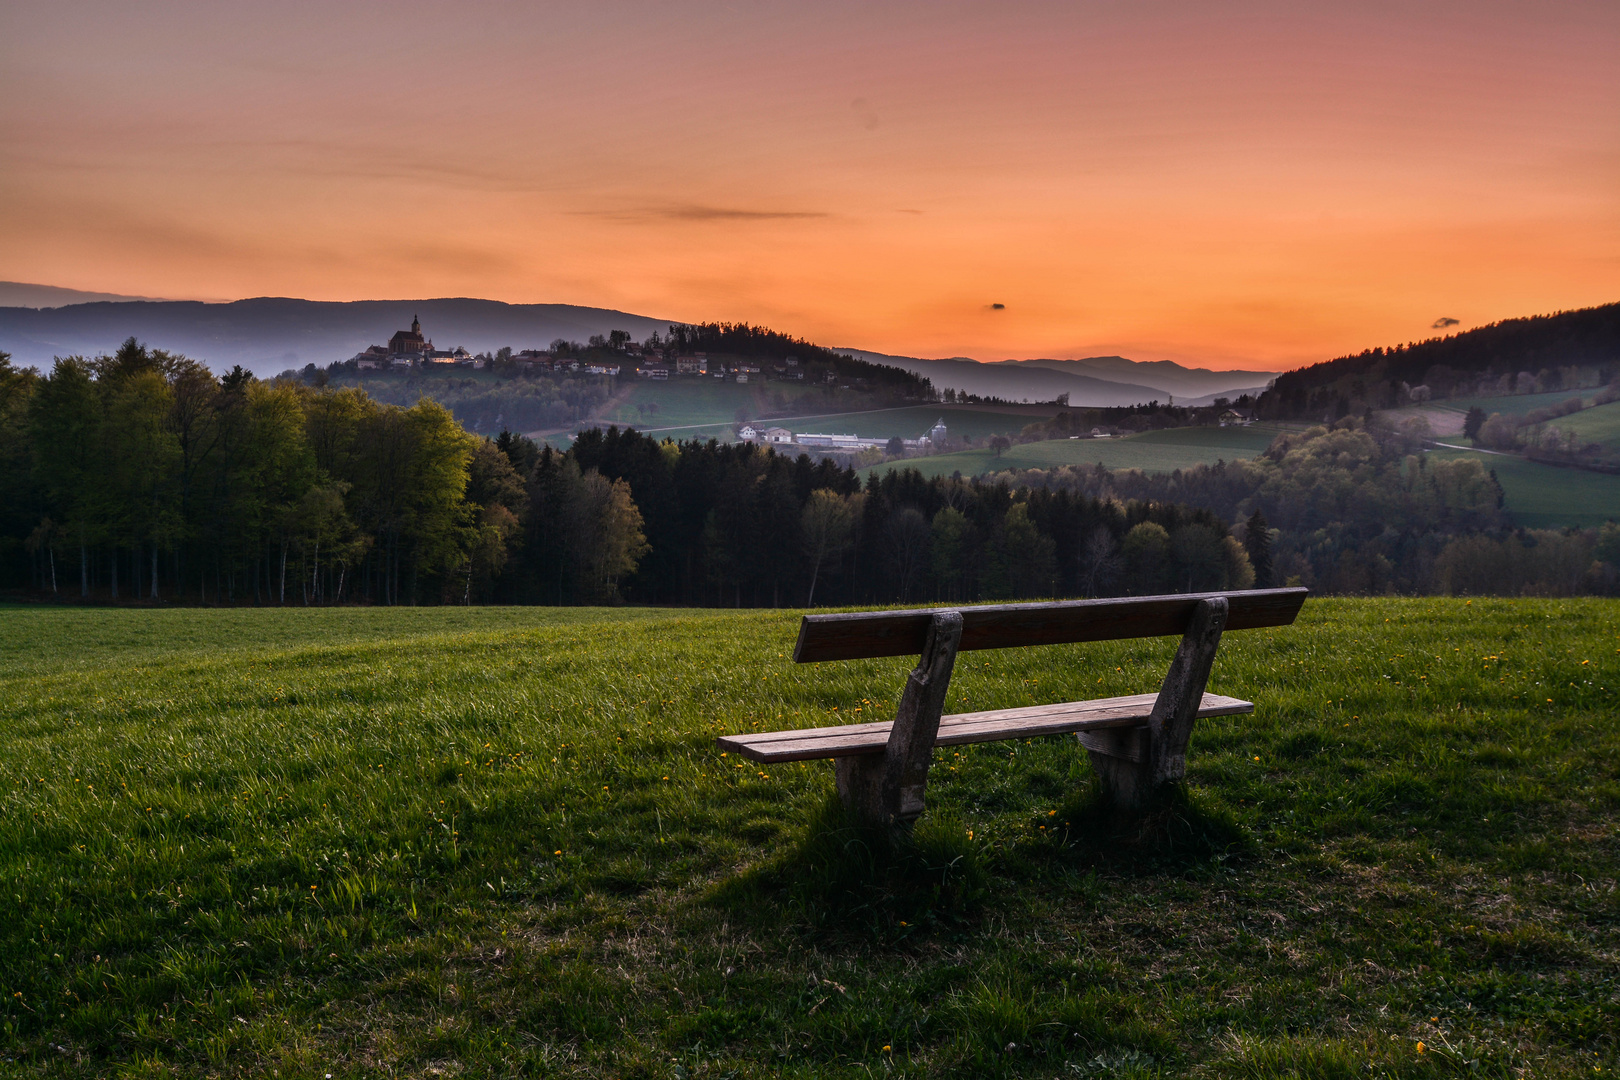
(887, 789)
(1134, 763)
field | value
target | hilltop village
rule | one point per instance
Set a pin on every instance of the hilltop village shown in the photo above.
(613, 354)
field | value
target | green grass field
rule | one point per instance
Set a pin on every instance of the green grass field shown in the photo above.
(501, 842)
(1152, 451)
(711, 404)
(1600, 424)
(907, 422)
(1549, 496)
(1515, 404)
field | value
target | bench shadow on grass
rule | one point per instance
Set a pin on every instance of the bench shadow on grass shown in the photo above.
(844, 877)
(1181, 832)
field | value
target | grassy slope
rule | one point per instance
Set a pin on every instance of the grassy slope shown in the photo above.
(1153, 451)
(1515, 404)
(500, 842)
(908, 422)
(1548, 496)
(692, 402)
(1599, 425)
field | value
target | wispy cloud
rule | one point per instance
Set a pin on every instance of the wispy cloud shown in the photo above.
(1442, 322)
(699, 212)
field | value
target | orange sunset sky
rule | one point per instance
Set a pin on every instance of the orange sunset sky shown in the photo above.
(1254, 185)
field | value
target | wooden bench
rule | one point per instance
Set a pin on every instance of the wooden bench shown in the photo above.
(1137, 743)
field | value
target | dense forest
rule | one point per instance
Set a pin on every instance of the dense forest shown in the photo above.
(143, 477)
(1354, 507)
(1536, 354)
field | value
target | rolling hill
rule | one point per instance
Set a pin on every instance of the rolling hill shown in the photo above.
(270, 334)
(267, 335)
(1097, 381)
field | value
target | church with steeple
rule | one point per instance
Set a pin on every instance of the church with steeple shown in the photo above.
(409, 344)
(409, 347)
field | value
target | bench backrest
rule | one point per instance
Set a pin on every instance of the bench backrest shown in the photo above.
(864, 634)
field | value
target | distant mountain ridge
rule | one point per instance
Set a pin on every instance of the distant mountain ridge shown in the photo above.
(1098, 381)
(22, 294)
(1167, 375)
(267, 335)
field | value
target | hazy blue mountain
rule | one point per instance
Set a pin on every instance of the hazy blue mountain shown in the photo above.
(1166, 375)
(1101, 381)
(270, 334)
(22, 294)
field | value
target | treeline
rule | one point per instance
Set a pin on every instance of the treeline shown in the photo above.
(519, 402)
(740, 525)
(142, 475)
(1357, 508)
(1130, 419)
(1516, 356)
(761, 343)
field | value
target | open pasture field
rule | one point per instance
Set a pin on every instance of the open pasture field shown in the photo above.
(1542, 496)
(501, 842)
(907, 422)
(1596, 423)
(1516, 404)
(689, 402)
(1599, 425)
(1151, 451)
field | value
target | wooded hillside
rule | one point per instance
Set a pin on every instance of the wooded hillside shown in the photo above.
(1541, 349)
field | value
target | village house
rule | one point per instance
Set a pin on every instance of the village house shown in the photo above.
(778, 435)
(696, 364)
(372, 359)
(1237, 418)
(448, 356)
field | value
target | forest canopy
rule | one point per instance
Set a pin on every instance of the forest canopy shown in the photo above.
(142, 476)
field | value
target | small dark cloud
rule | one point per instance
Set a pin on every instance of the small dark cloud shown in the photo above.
(1444, 321)
(998, 307)
(696, 212)
(864, 113)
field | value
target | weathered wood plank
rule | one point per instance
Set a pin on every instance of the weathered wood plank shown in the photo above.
(958, 729)
(1131, 778)
(858, 635)
(888, 790)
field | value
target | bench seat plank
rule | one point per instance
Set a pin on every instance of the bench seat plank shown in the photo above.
(863, 634)
(848, 740)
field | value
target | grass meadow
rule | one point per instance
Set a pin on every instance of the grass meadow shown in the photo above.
(1151, 451)
(1542, 496)
(501, 842)
(709, 404)
(1516, 404)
